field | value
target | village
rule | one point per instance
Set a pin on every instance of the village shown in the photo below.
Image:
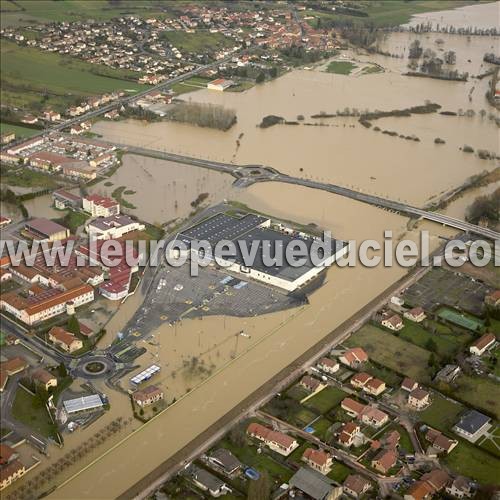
(356, 425)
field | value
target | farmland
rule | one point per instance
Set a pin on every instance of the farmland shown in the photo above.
(18, 130)
(483, 393)
(340, 67)
(393, 352)
(31, 78)
(195, 42)
(442, 413)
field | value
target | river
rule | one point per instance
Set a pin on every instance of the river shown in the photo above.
(345, 153)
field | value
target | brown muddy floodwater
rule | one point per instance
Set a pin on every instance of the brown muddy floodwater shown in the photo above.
(345, 153)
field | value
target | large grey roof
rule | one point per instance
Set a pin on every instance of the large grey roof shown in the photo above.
(312, 482)
(472, 421)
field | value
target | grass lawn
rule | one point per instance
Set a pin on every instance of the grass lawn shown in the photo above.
(30, 411)
(73, 220)
(339, 472)
(473, 462)
(388, 376)
(68, 78)
(482, 393)
(261, 462)
(442, 413)
(29, 178)
(296, 392)
(491, 442)
(18, 130)
(325, 400)
(321, 427)
(395, 353)
(198, 41)
(340, 67)
(302, 417)
(447, 344)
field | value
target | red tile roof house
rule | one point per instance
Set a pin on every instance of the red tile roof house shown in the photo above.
(417, 315)
(482, 344)
(352, 407)
(356, 485)
(44, 378)
(11, 468)
(328, 365)
(64, 339)
(394, 323)
(374, 387)
(11, 367)
(310, 383)
(374, 417)
(409, 384)
(429, 484)
(384, 461)
(391, 440)
(276, 441)
(419, 399)
(318, 460)
(354, 357)
(439, 441)
(348, 434)
(360, 379)
(493, 299)
(147, 396)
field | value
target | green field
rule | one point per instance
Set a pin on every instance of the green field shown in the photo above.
(74, 10)
(389, 12)
(442, 414)
(393, 352)
(471, 461)
(73, 220)
(18, 130)
(339, 472)
(447, 344)
(325, 400)
(198, 41)
(482, 393)
(28, 73)
(30, 411)
(491, 442)
(340, 67)
(29, 178)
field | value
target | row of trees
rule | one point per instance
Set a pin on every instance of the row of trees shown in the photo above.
(485, 207)
(203, 115)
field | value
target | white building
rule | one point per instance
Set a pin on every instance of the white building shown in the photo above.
(100, 206)
(113, 227)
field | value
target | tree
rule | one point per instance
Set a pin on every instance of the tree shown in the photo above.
(260, 489)
(73, 325)
(62, 371)
(415, 50)
(260, 77)
(431, 345)
(273, 72)
(450, 57)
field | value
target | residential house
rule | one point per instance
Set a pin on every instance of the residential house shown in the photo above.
(64, 199)
(482, 344)
(64, 339)
(276, 441)
(417, 315)
(461, 487)
(360, 379)
(147, 396)
(7, 137)
(374, 417)
(207, 481)
(394, 323)
(439, 441)
(419, 399)
(493, 299)
(409, 384)
(356, 486)
(352, 407)
(80, 169)
(29, 119)
(384, 461)
(348, 433)
(367, 383)
(9, 368)
(220, 84)
(51, 116)
(314, 485)
(328, 365)
(472, 425)
(318, 460)
(429, 484)
(11, 468)
(354, 357)
(223, 459)
(310, 383)
(44, 378)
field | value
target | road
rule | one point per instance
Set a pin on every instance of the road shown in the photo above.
(248, 174)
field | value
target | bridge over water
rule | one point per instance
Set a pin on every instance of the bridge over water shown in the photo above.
(249, 174)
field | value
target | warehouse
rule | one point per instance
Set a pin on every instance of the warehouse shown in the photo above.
(43, 229)
(84, 403)
(258, 231)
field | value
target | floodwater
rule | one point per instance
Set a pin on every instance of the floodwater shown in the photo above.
(347, 154)
(164, 191)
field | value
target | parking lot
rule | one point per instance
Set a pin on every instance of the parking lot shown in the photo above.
(175, 295)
